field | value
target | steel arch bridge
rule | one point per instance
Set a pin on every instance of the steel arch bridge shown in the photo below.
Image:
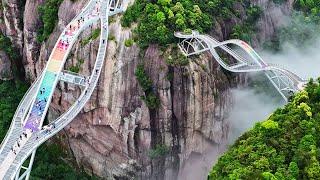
(26, 132)
(245, 59)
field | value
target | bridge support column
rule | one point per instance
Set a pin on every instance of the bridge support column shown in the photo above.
(26, 173)
(277, 88)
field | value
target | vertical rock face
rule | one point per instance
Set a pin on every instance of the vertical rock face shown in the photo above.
(115, 132)
(11, 14)
(31, 47)
(274, 16)
(5, 66)
(116, 126)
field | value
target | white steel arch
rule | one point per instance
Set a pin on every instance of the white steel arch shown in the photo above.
(285, 81)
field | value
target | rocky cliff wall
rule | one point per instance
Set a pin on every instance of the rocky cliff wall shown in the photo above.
(113, 135)
(12, 21)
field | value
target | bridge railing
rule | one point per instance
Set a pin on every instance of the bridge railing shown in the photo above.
(67, 117)
(26, 99)
(283, 79)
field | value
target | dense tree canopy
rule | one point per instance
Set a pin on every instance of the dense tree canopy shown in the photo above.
(285, 146)
(51, 162)
(310, 7)
(157, 20)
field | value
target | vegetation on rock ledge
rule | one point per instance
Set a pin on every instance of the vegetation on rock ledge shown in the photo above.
(7, 46)
(49, 17)
(145, 82)
(158, 20)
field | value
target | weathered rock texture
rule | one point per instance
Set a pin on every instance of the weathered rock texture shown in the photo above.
(11, 20)
(113, 135)
(274, 16)
(5, 66)
(31, 49)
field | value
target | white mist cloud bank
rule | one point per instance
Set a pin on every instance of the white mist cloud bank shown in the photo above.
(249, 108)
(304, 61)
(198, 165)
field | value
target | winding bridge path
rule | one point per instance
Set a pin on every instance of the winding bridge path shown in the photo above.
(26, 131)
(246, 59)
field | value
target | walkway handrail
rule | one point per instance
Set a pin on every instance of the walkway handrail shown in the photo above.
(72, 73)
(292, 82)
(39, 137)
(25, 97)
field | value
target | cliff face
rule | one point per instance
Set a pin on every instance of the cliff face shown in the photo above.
(11, 20)
(113, 135)
(5, 66)
(10, 25)
(32, 48)
(274, 16)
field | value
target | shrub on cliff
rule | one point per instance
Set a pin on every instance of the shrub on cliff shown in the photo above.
(286, 146)
(6, 45)
(150, 98)
(49, 17)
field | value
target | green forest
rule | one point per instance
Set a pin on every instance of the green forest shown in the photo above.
(52, 162)
(285, 146)
(158, 20)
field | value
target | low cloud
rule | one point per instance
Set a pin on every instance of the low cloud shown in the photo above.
(304, 61)
(249, 107)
